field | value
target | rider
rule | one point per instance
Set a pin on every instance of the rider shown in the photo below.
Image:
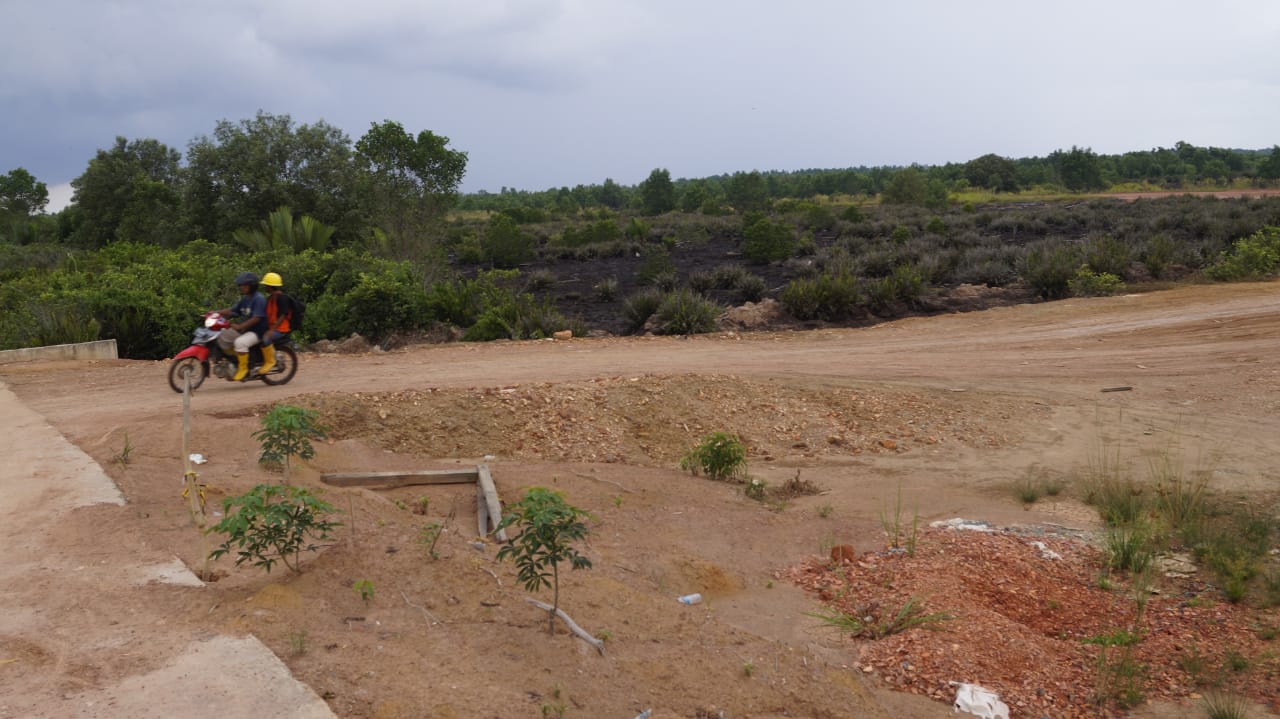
(279, 319)
(248, 323)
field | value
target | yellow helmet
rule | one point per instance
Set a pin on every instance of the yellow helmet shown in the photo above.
(271, 279)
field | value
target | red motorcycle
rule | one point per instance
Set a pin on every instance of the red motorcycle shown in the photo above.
(204, 356)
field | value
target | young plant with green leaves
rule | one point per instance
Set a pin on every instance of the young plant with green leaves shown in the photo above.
(273, 523)
(287, 432)
(719, 456)
(548, 528)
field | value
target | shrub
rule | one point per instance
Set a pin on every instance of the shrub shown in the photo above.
(605, 290)
(1048, 268)
(505, 244)
(541, 280)
(829, 297)
(273, 522)
(702, 282)
(1157, 254)
(1087, 283)
(384, 302)
(639, 307)
(287, 432)
(727, 277)
(685, 312)
(1253, 257)
(719, 455)
(1107, 255)
(751, 288)
(656, 263)
(765, 241)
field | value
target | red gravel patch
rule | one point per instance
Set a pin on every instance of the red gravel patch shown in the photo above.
(1022, 621)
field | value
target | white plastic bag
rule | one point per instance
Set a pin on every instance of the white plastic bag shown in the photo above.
(980, 702)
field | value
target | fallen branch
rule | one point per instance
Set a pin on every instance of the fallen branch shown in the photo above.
(430, 617)
(578, 631)
(606, 481)
(490, 572)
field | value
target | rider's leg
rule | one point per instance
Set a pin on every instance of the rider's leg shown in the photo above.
(243, 344)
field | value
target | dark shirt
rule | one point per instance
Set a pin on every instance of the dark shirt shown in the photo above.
(252, 305)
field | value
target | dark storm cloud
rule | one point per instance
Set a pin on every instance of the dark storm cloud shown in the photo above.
(559, 92)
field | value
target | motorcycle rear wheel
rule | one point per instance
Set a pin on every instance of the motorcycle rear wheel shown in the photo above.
(286, 366)
(180, 370)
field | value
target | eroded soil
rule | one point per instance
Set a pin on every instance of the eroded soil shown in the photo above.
(948, 413)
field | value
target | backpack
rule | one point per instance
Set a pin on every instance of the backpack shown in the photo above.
(297, 311)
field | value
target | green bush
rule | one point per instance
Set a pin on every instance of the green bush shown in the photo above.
(383, 303)
(606, 230)
(1254, 257)
(1087, 283)
(505, 244)
(327, 318)
(765, 241)
(273, 522)
(1048, 268)
(719, 455)
(685, 312)
(829, 297)
(751, 288)
(1107, 255)
(639, 307)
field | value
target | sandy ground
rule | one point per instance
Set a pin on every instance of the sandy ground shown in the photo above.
(947, 412)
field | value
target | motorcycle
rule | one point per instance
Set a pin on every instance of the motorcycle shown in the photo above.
(204, 356)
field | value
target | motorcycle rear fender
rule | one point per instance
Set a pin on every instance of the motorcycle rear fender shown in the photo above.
(200, 352)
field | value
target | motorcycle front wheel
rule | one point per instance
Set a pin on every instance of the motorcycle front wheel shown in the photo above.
(286, 366)
(187, 367)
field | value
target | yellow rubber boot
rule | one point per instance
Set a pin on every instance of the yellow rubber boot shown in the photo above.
(243, 371)
(268, 359)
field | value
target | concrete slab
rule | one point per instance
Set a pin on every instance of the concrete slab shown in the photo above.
(223, 677)
(73, 605)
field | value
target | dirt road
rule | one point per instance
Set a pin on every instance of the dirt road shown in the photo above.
(949, 411)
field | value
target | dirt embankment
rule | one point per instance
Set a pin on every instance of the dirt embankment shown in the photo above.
(919, 420)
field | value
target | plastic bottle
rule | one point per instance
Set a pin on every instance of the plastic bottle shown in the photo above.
(690, 599)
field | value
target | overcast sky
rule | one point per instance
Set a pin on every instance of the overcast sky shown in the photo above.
(545, 93)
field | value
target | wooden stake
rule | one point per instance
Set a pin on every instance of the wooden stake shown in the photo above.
(485, 482)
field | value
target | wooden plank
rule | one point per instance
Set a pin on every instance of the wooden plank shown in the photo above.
(485, 482)
(391, 480)
(482, 512)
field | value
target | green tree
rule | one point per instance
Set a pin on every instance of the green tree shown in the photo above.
(907, 186)
(1078, 169)
(21, 194)
(1269, 169)
(992, 172)
(247, 169)
(409, 181)
(549, 526)
(695, 195)
(505, 245)
(611, 194)
(131, 192)
(747, 192)
(658, 193)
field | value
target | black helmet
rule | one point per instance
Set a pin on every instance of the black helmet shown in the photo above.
(247, 278)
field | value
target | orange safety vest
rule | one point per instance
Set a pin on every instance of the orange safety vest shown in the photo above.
(273, 312)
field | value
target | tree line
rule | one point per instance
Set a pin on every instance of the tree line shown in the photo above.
(390, 188)
(384, 187)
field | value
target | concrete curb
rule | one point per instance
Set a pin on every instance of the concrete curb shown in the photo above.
(101, 349)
